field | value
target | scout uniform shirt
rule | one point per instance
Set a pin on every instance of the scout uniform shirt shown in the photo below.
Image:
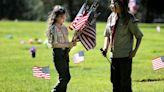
(57, 35)
(123, 39)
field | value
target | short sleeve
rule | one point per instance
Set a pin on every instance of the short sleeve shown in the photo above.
(133, 27)
(107, 29)
(65, 30)
(66, 33)
(52, 37)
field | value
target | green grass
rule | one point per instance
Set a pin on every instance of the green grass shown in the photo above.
(93, 75)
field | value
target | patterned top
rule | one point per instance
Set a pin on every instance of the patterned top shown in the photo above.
(123, 39)
(57, 35)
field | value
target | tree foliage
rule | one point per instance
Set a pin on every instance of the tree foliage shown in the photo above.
(39, 9)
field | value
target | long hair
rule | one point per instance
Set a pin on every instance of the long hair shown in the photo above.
(125, 13)
(55, 13)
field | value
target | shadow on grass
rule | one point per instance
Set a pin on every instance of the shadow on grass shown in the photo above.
(74, 66)
(150, 80)
(84, 68)
(87, 68)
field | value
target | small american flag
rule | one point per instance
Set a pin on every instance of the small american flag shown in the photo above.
(78, 57)
(158, 63)
(41, 72)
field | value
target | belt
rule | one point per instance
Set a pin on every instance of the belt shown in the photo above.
(60, 48)
(63, 48)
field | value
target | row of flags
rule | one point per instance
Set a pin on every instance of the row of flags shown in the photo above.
(44, 72)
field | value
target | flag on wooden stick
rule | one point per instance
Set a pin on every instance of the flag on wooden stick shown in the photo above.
(158, 63)
(41, 72)
(78, 57)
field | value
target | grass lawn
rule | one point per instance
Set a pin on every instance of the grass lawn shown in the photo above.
(92, 75)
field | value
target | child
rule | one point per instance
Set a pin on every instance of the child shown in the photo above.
(58, 39)
(121, 28)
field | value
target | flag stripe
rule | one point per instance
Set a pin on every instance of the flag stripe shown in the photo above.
(92, 42)
(157, 63)
(88, 27)
(79, 21)
(88, 37)
(73, 24)
(87, 42)
(83, 42)
(91, 32)
(41, 72)
(88, 34)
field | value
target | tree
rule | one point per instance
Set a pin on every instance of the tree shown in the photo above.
(10, 9)
(151, 9)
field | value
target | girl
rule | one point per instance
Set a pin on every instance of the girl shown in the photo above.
(121, 28)
(58, 39)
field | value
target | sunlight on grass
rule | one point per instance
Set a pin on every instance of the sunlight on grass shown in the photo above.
(92, 75)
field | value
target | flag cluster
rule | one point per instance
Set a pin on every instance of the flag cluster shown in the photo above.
(85, 25)
(41, 72)
(158, 63)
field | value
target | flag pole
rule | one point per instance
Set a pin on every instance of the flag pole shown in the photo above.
(108, 60)
(49, 80)
(49, 86)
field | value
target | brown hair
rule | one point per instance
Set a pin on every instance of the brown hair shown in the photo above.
(57, 11)
(124, 9)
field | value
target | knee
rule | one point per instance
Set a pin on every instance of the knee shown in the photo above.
(68, 78)
(65, 79)
(126, 84)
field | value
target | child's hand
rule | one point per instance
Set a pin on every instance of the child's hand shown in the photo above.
(132, 54)
(104, 52)
(74, 43)
(71, 44)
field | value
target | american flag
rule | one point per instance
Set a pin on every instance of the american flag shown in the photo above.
(41, 72)
(79, 22)
(88, 37)
(158, 63)
(80, 18)
(78, 57)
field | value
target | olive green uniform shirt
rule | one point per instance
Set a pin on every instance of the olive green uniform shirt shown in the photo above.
(123, 39)
(57, 35)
